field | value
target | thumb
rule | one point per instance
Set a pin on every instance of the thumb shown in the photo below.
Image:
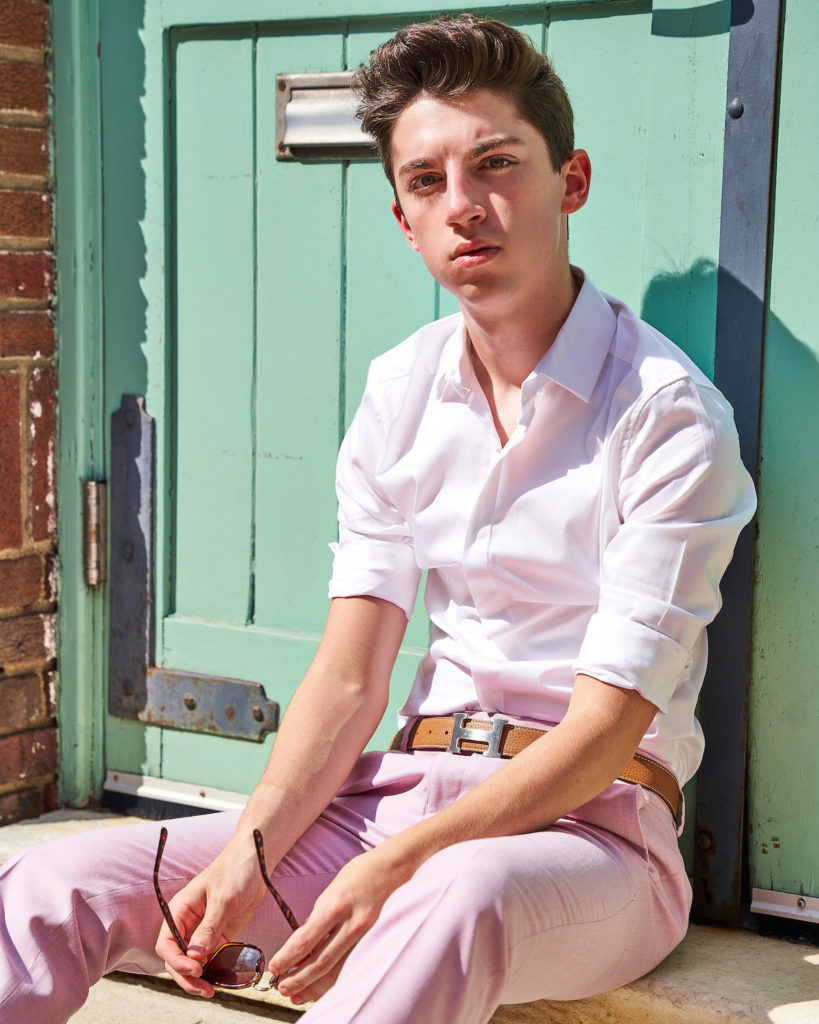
(207, 936)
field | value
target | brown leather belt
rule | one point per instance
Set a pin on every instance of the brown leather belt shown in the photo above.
(498, 738)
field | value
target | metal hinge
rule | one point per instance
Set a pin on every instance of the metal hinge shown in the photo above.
(95, 500)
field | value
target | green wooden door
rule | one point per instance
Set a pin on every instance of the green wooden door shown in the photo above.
(244, 296)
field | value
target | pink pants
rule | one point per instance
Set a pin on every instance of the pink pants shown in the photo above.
(591, 903)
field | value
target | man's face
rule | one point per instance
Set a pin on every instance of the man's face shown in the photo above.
(479, 198)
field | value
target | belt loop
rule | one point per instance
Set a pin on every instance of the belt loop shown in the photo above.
(680, 822)
(407, 733)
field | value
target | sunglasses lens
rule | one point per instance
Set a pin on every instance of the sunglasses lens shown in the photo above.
(234, 965)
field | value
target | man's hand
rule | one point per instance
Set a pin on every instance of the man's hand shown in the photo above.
(328, 722)
(311, 959)
(211, 909)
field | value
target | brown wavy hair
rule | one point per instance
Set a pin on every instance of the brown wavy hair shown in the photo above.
(449, 57)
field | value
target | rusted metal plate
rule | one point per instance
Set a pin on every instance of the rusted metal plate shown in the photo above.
(131, 628)
(227, 707)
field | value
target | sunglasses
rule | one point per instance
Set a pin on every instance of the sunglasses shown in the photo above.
(233, 964)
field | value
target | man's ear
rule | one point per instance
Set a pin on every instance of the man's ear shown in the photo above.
(576, 173)
(403, 223)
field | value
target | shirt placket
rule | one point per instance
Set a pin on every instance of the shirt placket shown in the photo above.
(483, 522)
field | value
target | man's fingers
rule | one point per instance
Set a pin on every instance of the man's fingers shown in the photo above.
(297, 950)
(316, 990)
(193, 986)
(206, 937)
(185, 970)
(317, 971)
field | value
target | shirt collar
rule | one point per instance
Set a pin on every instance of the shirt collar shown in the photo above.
(456, 376)
(576, 357)
(574, 360)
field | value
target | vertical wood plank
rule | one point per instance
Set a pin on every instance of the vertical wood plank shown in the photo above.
(299, 310)
(681, 213)
(77, 158)
(609, 87)
(389, 292)
(214, 307)
(133, 299)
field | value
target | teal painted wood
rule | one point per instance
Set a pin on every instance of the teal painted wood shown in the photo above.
(683, 176)
(250, 325)
(81, 451)
(649, 110)
(213, 296)
(299, 293)
(202, 12)
(602, 84)
(389, 292)
(135, 323)
(783, 770)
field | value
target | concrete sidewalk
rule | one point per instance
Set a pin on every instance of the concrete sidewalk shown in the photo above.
(716, 976)
(132, 999)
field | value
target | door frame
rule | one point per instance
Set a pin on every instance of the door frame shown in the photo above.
(81, 443)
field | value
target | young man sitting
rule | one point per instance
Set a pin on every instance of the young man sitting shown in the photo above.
(572, 485)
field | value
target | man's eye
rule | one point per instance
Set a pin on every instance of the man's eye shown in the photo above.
(422, 181)
(498, 161)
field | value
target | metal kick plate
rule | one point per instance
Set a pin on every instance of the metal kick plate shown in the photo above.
(232, 707)
(137, 689)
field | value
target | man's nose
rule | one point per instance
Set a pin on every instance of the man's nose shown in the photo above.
(464, 201)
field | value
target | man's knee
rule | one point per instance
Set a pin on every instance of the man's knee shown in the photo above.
(467, 880)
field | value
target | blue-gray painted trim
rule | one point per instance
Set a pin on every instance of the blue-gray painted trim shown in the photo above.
(753, 73)
(131, 619)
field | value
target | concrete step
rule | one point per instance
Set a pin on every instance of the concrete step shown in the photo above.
(716, 976)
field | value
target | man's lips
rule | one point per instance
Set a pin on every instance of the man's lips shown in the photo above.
(474, 251)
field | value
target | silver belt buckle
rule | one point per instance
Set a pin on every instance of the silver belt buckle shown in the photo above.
(491, 737)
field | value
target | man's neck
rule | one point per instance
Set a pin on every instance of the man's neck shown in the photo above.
(509, 338)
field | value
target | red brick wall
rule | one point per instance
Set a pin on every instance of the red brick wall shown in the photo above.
(28, 525)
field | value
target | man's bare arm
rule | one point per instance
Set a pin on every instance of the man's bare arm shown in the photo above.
(329, 721)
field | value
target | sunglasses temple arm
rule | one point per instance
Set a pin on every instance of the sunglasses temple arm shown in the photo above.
(163, 905)
(288, 913)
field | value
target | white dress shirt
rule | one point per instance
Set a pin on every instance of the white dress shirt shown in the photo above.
(592, 542)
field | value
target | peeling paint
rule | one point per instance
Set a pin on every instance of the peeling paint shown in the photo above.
(49, 636)
(50, 498)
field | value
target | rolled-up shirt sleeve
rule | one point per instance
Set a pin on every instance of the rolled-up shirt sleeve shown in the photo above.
(374, 555)
(681, 496)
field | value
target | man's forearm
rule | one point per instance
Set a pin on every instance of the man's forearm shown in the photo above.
(328, 722)
(558, 773)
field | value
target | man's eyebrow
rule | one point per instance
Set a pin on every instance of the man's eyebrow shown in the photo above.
(506, 140)
(421, 164)
(425, 163)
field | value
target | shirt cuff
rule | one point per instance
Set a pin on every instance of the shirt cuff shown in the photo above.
(629, 654)
(385, 569)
